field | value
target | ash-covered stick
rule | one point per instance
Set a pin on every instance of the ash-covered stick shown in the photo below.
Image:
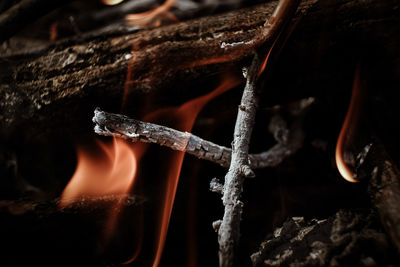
(229, 227)
(109, 124)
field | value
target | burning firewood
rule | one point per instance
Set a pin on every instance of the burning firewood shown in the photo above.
(373, 161)
(52, 91)
(148, 50)
(229, 227)
(76, 70)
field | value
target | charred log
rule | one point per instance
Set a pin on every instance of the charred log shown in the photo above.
(383, 186)
(92, 73)
(346, 238)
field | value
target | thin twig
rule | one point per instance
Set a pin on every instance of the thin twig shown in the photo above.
(229, 228)
(109, 124)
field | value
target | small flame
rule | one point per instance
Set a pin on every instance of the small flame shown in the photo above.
(347, 132)
(110, 172)
(186, 113)
(153, 17)
(184, 117)
(264, 65)
(111, 2)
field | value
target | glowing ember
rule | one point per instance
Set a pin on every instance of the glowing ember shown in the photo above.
(111, 2)
(110, 172)
(153, 17)
(347, 132)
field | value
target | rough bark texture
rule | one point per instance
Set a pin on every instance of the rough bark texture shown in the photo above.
(229, 228)
(347, 238)
(383, 187)
(72, 71)
(92, 73)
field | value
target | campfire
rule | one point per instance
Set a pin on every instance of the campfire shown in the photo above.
(199, 133)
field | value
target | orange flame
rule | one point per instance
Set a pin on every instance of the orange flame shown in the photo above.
(153, 17)
(111, 2)
(264, 65)
(347, 132)
(111, 172)
(184, 116)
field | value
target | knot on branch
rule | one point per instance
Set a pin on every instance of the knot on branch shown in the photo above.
(247, 171)
(242, 107)
(216, 225)
(216, 186)
(99, 116)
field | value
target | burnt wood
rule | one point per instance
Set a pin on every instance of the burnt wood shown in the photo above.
(37, 89)
(343, 239)
(383, 187)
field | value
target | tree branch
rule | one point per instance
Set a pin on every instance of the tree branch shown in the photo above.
(229, 229)
(109, 124)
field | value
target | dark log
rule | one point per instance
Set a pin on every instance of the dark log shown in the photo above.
(70, 236)
(383, 186)
(73, 71)
(347, 238)
(90, 205)
(37, 89)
